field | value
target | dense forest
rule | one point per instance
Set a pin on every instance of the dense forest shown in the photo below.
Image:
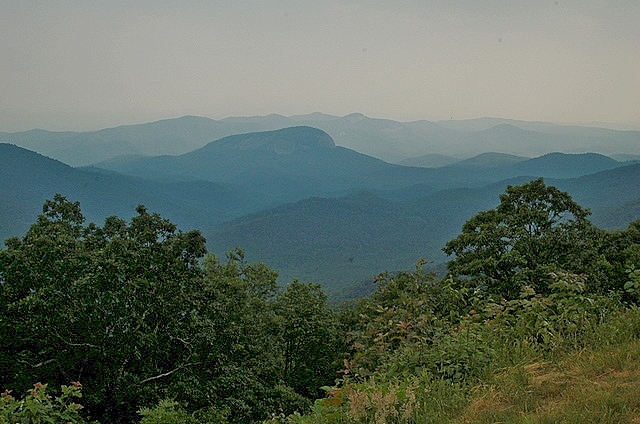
(133, 321)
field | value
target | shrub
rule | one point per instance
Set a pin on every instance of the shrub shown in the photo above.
(40, 407)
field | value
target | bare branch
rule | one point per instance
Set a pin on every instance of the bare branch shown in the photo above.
(48, 361)
(156, 377)
(74, 344)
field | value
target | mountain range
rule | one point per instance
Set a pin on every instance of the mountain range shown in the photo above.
(347, 239)
(389, 140)
(309, 208)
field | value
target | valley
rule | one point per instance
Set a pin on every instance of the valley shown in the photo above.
(298, 199)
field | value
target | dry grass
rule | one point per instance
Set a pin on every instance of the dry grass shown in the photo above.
(600, 386)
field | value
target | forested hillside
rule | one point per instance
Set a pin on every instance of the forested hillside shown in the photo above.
(27, 179)
(343, 241)
(307, 207)
(132, 321)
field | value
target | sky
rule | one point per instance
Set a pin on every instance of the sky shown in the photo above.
(90, 64)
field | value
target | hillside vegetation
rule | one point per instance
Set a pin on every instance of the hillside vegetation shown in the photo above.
(131, 321)
(296, 200)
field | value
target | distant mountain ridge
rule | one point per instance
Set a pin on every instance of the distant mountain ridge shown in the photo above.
(342, 241)
(430, 160)
(295, 163)
(290, 164)
(389, 140)
(560, 165)
(309, 207)
(27, 179)
(284, 141)
(490, 160)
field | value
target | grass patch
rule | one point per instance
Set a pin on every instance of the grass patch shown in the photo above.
(600, 385)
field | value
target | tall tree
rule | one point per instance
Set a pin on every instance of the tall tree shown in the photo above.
(311, 338)
(534, 230)
(111, 307)
(130, 311)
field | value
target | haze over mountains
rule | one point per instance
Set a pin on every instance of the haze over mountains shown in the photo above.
(391, 141)
(297, 198)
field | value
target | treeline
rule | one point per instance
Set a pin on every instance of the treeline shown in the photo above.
(137, 319)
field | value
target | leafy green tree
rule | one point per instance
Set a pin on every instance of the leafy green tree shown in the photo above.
(131, 311)
(263, 350)
(620, 260)
(110, 307)
(407, 311)
(237, 341)
(311, 336)
(534, 230)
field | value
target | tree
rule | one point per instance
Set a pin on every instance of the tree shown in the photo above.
(40, 407)
(311, 338)
(238, 343)
(534, 230)
(111, 307)
(264, 350)
(131, 311)
(620, 260)
(407, 311)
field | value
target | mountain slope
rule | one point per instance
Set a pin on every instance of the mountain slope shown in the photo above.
(287, 164)
(385, 139)
(27, 179)
(294, 163)
(613, 195)
(431, 160)
(561, 165)
(490, 160)
(337, 241)
(165, 137)
(341, 242)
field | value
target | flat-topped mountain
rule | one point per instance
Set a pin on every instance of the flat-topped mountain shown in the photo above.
(385, 139)
(289, 163)
(280, 142)
(298, 162)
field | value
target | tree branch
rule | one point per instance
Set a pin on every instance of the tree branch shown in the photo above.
(48, 361)
(156, 377)
(74, 344)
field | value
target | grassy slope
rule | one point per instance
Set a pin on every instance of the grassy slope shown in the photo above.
(597, 382)
(596, 385)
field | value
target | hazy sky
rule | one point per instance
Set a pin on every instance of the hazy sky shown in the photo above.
(98, 63)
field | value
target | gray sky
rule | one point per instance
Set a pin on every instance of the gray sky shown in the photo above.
(99, 63)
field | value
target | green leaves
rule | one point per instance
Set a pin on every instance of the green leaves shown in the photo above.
(534, 230)
(311, 338)
(151, 327)
(39, 407)
(103, 305)
(129, 309)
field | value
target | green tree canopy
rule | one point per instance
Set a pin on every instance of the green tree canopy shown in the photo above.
(534, 230)
(110, 306)
(311, 338)
(131, 311)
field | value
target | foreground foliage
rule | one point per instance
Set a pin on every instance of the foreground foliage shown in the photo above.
(489, 347)
(538, 304)
(132, 311)
(564, 357)
(40, 407)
